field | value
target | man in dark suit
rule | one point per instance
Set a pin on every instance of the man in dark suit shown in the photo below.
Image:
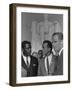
(57, 41)
(47, 63)
(29, 63)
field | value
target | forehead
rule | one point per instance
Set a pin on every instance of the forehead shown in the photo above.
(45, 44)
(27, 45)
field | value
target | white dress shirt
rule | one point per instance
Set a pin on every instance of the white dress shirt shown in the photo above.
(49, 60)
(60, 51)
(25, 59)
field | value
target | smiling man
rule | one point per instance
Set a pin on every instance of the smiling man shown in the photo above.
(57, 42)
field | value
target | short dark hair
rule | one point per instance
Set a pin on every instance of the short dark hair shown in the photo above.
(40, 51)
(60, 35)
(24, 43)
(49, 44)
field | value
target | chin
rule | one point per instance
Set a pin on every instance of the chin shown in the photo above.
(29, 54)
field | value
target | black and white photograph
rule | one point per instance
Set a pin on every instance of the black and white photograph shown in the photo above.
(42, 44)
(41, 37)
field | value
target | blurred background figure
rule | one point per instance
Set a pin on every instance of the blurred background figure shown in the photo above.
(40, 54)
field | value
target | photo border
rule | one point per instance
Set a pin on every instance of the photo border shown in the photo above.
(12, 48)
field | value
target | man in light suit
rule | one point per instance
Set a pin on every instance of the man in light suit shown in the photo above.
(29, 63)
(47, 63)
(57, 41)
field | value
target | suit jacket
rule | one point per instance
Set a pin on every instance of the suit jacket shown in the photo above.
(59, 65)
(42, 70)
(32, 69)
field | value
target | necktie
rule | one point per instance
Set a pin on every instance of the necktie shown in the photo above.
(27, 62)
(48, 65)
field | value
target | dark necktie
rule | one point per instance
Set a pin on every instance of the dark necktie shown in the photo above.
(48, 65)
(27, 62)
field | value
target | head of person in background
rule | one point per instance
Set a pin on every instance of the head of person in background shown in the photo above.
(57, 41)
(40, 54)
(35, 54)
(47, 48)
(26, 48)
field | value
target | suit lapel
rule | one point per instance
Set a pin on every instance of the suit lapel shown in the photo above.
(24, 64)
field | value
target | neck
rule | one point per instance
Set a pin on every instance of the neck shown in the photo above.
(60, 49)
(48, 53)
(57, 52)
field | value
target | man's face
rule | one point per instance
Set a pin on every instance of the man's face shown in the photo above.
(46, 49)
(27, 50)
(40, 54)
(56, 43)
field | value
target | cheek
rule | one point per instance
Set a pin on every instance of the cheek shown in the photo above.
(44, 51)
(54, 45)
(57, 46)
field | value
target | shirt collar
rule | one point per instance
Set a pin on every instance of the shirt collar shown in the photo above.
(50, 55)
(60, 51)
(25, 59)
